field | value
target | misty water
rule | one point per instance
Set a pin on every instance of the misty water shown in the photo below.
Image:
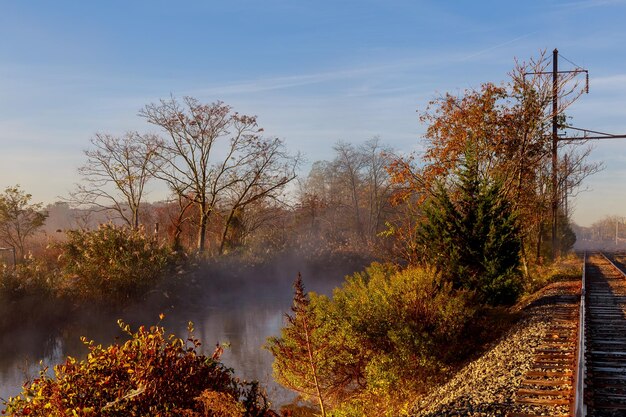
(240, 307)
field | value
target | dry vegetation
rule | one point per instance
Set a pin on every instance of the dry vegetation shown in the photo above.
(151, 374)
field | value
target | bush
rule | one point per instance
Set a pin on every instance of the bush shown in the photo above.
(384, 334)
(111, 262)
(150, 375)
(409, 320)
(409, 324)
(31, 277)
(567, 268)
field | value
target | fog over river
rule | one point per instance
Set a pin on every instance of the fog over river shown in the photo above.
(238, 305)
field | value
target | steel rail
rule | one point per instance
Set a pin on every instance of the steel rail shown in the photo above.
(579, 408)
(617, 268)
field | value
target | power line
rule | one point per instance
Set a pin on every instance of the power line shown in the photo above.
(577, 66)
(595, 135)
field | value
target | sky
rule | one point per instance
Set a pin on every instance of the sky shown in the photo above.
(314, 72)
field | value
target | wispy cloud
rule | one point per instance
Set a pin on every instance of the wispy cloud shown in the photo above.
(358, 71)
(497, 46)
(280, 83)
(588, 4)
(611, 82)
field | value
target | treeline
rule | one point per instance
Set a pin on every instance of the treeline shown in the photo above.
(339, 209)
(608, 229)
(228, 183)
(232, 187)
(608, 233)
(342, 204)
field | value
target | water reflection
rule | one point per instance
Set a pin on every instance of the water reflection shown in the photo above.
(238, 307)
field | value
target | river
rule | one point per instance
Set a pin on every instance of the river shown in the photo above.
(241, 307)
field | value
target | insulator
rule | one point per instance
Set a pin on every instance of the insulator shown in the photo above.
(587, 82)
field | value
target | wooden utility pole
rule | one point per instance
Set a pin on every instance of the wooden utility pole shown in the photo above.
(587, 134)
(555, 141)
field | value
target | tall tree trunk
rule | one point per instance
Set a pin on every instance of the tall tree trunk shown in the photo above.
(539, 243)
(178, 230)
(136, 218)
(202, 229)
(316, 382)
(225, 231)
(524, 257)
(357, 213)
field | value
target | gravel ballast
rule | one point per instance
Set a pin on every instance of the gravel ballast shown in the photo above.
(487, 386)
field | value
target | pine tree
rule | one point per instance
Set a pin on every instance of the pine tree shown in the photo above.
(299, 353)
(472, 237)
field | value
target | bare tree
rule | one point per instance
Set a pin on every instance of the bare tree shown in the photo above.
(348, 164)
(573, 169)
(376, 157)
(179, 218)
(19, 219)
(217, 158)
(116, 173)
(264, 178)
(349, 194)
(264, 222)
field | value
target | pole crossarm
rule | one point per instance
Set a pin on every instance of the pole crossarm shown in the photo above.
(576, 71)
(556, 73)
(589, 134)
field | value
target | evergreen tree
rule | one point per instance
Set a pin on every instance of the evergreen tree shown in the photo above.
(300, 354)
(567, 237)
(471, 236)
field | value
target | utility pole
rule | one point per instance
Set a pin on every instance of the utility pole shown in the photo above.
(565, 186)
(587, 134)
(555, 141)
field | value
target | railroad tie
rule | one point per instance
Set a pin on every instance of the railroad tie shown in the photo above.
(547, 387)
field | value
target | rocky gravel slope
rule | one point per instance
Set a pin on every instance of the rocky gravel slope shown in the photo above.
(487, 386)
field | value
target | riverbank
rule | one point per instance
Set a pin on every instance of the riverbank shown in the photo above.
(230, 301)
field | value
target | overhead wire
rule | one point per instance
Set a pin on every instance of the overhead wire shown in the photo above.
(577, 68)
(575, 65)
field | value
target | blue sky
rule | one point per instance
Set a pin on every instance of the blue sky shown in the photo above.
(314, 72)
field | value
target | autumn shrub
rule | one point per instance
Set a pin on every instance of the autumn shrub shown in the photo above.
(151, 374)
(111, 263)
(219, 404)
(33, 276)
(566, 268)
(384, 334)
(408, 320)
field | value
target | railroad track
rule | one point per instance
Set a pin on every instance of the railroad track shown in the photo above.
(548, 387)
(580, 365)
(605, 337)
